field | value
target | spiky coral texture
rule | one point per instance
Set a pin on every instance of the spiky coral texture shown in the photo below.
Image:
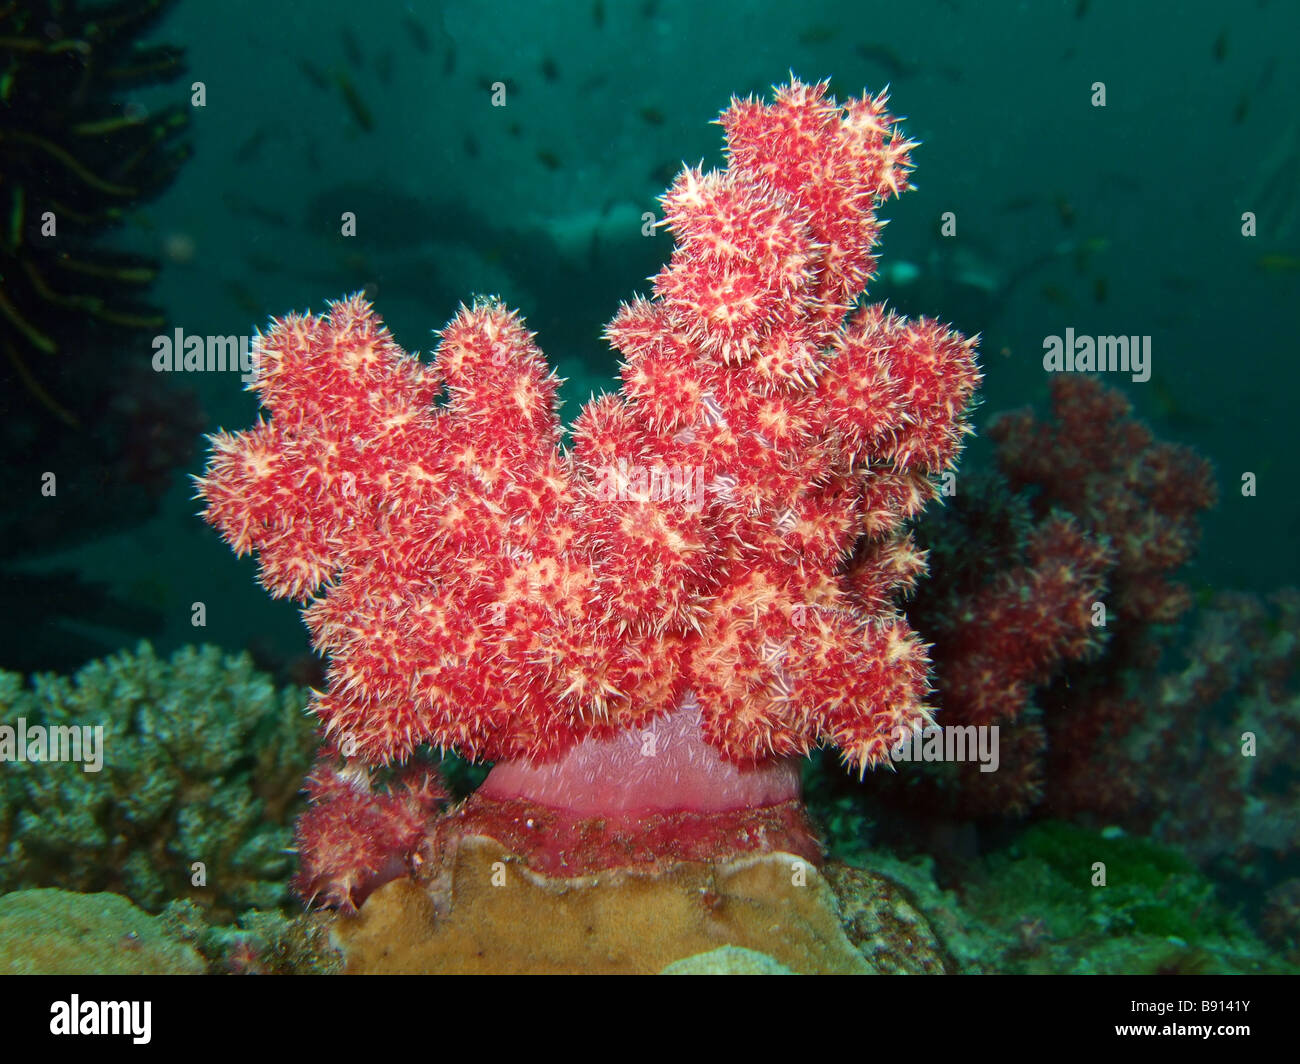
(1105, 467)
(1015, 632)
(355, 837)
(479, 588)
(1013, 609)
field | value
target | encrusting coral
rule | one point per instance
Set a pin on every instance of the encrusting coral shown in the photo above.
(491, 913)
(61, 932)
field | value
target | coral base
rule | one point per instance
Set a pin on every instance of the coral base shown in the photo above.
(485, 911)
(557, 842)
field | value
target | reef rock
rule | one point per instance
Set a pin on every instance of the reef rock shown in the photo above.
(482, 909)
(60, 932)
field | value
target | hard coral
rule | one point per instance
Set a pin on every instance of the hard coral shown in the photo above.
(485, 913)
(481, 589)
(202, 760)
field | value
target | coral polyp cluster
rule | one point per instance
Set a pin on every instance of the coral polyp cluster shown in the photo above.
(355, 837)
(1105, 467)
(729, 525)
(1050, 603)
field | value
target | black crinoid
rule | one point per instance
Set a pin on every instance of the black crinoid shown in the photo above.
(76, 156)
(80, 150)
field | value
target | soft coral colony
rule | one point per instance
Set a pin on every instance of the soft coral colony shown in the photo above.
(482, 588)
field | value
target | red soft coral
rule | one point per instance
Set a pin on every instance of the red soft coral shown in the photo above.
(354, 838)
(480, 589)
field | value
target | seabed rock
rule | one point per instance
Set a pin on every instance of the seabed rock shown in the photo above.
(482, 909)
(60, 932)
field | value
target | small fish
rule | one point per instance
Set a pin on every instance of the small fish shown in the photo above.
(1081, 8)
(351, 49)
(1099, 290)
(1242, 109)
(1057, 295)
(471, 146)
(598, 14)
(356, 105)
(651, 116)
(244, 298)
(550, 71)
(357, 263)
(813, 35)
(548, 159)
(885, 57)
(251, 147)
(1278, 263)
(1171, 411)
(314, 74)
(1221, 46)
(1266, 74)
(418, 34)
(1018, 203)
(663, 174)
(1086, 250)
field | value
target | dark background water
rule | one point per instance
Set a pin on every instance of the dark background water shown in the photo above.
(1123, 219)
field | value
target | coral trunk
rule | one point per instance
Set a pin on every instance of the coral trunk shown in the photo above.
(664, 766)
(636, 799)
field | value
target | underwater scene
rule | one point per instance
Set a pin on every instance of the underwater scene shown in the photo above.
(649, 486)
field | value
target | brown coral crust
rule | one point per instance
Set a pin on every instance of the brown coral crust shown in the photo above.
(489, 913)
